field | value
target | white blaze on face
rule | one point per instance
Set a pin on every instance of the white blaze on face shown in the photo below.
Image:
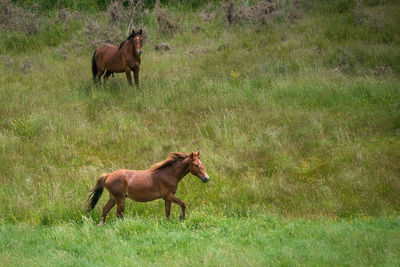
(205, 173)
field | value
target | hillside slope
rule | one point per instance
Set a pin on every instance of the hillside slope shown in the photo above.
(296, 114)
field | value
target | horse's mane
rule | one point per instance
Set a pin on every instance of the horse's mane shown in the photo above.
(171, 159)
(122, 44)
(129, 37)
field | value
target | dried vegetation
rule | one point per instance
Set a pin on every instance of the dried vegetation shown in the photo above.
(262, 12)
(166, 24)
(122, 18)
(162, 47)
(206, 14)
(259, 13)
(14, 18)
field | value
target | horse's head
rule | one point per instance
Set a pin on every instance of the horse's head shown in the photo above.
(196, 167)
(136, 39)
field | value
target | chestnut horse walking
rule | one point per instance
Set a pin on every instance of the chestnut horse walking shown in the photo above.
(160, 181)
(125, 58)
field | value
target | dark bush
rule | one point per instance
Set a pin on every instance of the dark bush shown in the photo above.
(165, 22)
(259, 13)
(16, 18)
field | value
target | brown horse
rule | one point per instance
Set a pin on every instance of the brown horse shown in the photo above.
(125, 58)
(160, 181)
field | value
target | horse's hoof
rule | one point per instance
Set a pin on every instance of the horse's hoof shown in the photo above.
(101, 223)
(181, 218)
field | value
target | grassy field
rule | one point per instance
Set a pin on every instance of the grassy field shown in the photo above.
(210, 241)
(297, 119)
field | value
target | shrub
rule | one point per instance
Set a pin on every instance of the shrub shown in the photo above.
(260, 12)
(16, 18)
(165, 23)
(122, 18)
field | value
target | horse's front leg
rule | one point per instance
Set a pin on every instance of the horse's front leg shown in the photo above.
(128, 76)
(136, 76)
(167, 208)
(176, 200)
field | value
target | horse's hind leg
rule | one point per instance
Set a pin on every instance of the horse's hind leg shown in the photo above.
(99, 74)
(106, 75)
(110, 204)
(120, 207)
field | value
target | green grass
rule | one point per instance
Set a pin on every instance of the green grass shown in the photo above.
(207, 241)
(295, 119)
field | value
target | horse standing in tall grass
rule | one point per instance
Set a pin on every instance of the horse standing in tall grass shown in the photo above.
(110, 59)
(160, 181)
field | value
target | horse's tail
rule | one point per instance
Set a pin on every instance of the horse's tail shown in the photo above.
(96, 192)
(94, 66)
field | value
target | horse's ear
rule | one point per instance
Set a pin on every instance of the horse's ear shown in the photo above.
(192, 155)
(198, 154)
(133, 31)
(140, 31)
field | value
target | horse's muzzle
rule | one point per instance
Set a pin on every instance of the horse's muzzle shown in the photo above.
(138, 52)
(205, 179)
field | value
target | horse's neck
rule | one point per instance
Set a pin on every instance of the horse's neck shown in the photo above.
(129, 47)
(179, 169)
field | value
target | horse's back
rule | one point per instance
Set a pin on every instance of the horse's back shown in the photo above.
(120, 174)
(124, 176)
(107, 49)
